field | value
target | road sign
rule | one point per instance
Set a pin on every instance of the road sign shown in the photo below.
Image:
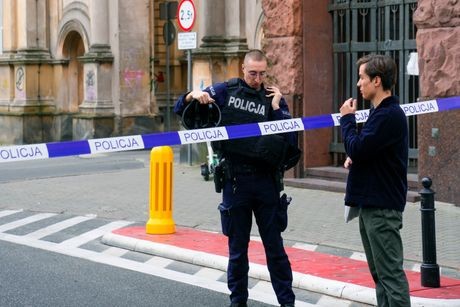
(168, 10)
(169, 32)
(186, 40)
(186, 15)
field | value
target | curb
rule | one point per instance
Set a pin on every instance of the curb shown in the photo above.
(308, 282)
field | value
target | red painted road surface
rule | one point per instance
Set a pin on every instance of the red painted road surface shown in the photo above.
(302, 261)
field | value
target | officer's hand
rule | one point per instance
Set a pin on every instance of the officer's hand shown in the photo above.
(274, 92)
(347, 163)
(349, 106)
(202, 97)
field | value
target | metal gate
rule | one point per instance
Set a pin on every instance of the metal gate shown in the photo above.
(373, 26)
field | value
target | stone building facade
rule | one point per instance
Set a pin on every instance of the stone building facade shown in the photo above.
(79, 69)
(75, 70)
(438, 46)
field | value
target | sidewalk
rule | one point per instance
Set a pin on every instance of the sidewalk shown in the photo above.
(324, 273)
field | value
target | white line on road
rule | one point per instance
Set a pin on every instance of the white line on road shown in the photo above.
(25, 221)
(58, 227)
(136, 266)
(9, 212)
(94, 234)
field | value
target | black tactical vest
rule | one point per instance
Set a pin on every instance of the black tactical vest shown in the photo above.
(244, 105)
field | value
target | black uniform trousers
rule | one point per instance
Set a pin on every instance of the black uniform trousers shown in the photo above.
(247, 193)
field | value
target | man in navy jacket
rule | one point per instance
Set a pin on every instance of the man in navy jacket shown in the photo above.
(377, 181)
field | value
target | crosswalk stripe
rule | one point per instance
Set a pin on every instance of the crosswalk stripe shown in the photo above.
(115, 251)
(25, 221)
(8, 212)
(209, 273)
(159, 261)
(94, 234)
(58, 227)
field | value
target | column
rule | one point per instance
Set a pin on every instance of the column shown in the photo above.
(96, 113)
(97, 62)
(223, 44)
(99, 18)
(26, 97)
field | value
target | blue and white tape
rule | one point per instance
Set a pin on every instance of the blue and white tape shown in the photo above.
(147, 141)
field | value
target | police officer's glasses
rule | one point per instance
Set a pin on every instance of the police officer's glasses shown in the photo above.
(254, 74)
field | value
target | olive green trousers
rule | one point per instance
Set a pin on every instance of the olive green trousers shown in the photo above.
(379, 229)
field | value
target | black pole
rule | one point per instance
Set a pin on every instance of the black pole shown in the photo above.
(168, 77)
(429, 269)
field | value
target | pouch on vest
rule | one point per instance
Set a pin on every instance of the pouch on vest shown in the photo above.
(293, 154)
(271, 149)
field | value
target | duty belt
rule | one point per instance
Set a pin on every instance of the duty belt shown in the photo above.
(247, 168)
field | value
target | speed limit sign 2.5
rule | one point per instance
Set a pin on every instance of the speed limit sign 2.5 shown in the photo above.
(186, 15)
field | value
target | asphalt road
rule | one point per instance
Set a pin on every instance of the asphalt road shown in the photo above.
(72, 166)
(35, 277)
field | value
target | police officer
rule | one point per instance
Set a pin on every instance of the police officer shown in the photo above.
(252, 173)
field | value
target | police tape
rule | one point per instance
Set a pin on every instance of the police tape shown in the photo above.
(147, 141)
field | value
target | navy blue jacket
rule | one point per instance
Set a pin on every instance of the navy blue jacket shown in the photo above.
(218, 92)
(378, 174)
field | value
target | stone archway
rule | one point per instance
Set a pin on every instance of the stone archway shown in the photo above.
(254, 18)
(73, 48)
(259, 33)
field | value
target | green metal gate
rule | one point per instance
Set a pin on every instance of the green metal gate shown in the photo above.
(373, 26)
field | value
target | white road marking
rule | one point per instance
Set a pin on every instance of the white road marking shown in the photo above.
(358, 256)
(115, 251)
(8, 212)
(159, 261)
(210, 273)
(58, 227)
(94, 234)
(25, 221)
(305, 246)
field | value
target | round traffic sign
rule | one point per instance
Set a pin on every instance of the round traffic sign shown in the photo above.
(169, 32)
(186, 15)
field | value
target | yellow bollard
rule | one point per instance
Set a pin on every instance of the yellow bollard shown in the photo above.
(160, 200)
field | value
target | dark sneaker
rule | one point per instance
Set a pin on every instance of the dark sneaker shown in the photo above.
(288, 305)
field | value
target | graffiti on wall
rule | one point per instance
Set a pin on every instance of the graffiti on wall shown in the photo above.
(20, 83)
(90, 94)
(157, 79)
(132, 76)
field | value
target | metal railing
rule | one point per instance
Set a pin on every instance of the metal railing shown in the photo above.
(372, 26)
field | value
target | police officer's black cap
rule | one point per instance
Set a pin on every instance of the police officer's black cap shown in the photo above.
(198, 116)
